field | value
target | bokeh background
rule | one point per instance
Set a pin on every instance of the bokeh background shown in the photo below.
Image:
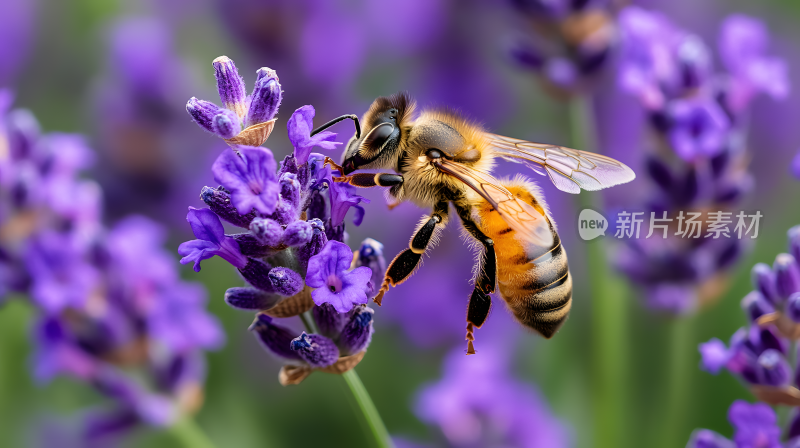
(120, 72)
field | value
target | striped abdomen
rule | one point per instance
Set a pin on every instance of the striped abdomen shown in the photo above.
(537, 287)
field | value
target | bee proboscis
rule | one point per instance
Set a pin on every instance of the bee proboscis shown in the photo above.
(440, 158)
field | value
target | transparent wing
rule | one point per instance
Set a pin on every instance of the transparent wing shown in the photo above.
(531, 225)
(568, 169)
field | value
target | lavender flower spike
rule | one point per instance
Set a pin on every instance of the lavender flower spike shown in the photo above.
(211, 240)
(327, 271)
(230, 85)
(250, 176)
(300, 125)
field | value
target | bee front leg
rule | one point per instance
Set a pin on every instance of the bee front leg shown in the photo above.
(406, 261)
(480, 303)
(369, 180)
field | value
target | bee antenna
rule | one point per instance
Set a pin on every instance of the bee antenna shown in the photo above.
(336, 120)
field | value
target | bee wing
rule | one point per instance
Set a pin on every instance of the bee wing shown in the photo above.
(531, 225)
(568, 169)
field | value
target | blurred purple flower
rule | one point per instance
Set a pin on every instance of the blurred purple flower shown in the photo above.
(756, 425)
(60, 276)
(249, 173)
(477, 403)
(699, 128)
(211, 240)
(300, 125)
(178, 319)
(743, 45)
(327, 271)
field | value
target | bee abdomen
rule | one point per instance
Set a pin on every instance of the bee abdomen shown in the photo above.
(541, 295)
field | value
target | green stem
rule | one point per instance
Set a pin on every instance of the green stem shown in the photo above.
(679, 356)
(186, 431)
(609, 310)
(368, 409)
(360, 394)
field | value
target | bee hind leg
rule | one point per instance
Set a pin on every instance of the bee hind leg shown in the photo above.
(480, 302)
(406, 262)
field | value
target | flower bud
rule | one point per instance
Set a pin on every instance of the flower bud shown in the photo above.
(267, 231)
(763, 279)
(257, 274)
(787, 275)
(329, 321)
(203, 113)
(274, 338)
(315, 349)
(226, 124)
(219, 201)
(357, 334)
(755, 305)
(266, 99)
(371, 255)
(250, 246)
(298, 233)
(318, 241)
(230, 85)
(250, 299)
(285, 281)
(792, 307)
(773, 369)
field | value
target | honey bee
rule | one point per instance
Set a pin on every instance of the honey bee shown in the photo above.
(438, 158)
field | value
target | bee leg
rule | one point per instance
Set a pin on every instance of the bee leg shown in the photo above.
(369, 180)
(404, 264)
(480, 303)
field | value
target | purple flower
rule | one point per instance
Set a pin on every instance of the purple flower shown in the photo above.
(699, 128)
(714, 355)
(179, 319)
(211, 240)
(274, 338)
(756, 425)
(342, 198)
(61, 278)
(266, 98)
(56, 353)
(300, 125)
(477, 403)
(327, 271)
(250, 176)
(357, 333)
(705, 438)
(743, 45)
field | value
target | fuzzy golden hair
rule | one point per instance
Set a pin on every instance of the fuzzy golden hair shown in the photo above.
(401, 101)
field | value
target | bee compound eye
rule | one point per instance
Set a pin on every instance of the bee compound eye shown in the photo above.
(434, 153)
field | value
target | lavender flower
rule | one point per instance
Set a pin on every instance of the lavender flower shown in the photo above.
(327, 271)
(249, 173)
(477, 403)
(698, 162)
(567, 44)
(300, 126)
(246, 119)
(294, 238)
(211, 240)
(113, 311)
(756, 425)
(760, 355)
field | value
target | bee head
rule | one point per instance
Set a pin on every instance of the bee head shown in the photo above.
(385, 126)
